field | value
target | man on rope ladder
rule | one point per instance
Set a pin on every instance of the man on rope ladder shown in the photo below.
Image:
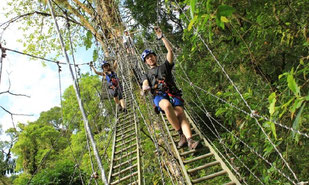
(128, 42)
(166, 96)
(114, 85)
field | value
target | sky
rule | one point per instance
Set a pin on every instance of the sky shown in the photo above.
(31, 78)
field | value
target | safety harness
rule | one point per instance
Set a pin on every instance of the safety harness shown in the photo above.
(170, 90)
(112, 80)
(162, 87)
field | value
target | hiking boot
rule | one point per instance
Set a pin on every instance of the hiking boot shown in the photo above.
(193, 144)
(125, 110)
(182, 140)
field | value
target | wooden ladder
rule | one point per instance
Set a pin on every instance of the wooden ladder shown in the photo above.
(200, 166)
(125, 165)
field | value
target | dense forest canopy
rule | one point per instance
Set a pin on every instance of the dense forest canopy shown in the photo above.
(245, 63)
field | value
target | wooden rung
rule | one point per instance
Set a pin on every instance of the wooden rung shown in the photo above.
(121, 138)
(203, 166)
(128, 125)
(197, 158)
(126, 116)
(124, 163)
(124, 178)
(209, 176)
(126, 142)
(133, 183)
(121, 157)
(125, 132)
(190, 152)
(230, 183)
(124, 170)
(124, 123)
(126, 148)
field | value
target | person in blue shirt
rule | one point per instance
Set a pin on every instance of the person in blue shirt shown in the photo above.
(166, 96)
(113, 83)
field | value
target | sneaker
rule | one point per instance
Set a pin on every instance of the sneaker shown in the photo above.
(182, 141)
(193, 144)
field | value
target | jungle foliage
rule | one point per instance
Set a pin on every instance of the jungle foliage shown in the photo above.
(261, 45)
(263, 48)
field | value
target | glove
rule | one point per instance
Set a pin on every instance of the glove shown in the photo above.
(146, 88)
(158, 33)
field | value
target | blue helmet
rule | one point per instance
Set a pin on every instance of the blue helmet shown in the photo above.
(104, 63)
(147, 52)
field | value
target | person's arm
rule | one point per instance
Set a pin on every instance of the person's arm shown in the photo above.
(170, 54)
(115, 65)
(97, 72)
(145, 87)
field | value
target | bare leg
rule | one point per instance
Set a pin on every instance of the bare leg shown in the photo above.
(170, 113)
(122, 103)
(184, 123)
(116, 100)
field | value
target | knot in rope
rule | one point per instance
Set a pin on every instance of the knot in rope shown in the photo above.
(67, 19)
(95, 175)
(253, 113)
(221, 141)
(59, 67)
(78, 70)
(3, 55)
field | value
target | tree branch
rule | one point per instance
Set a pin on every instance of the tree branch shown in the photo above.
(32, 13)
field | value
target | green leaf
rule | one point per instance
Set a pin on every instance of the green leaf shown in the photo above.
(192, 8)
(296, 105)
(88, 39)
(205, 19)
(192, 22)
(208, 6)
(220, 23)
(272, 100)
(220, 111)
(224, 19)
(273, 128)
(284, 74)
(292, 84)
(225, 10)
(297, 121)
(301, 61)
(284, 107)
(95, 55)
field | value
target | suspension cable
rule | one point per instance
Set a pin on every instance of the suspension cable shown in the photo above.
(88, 129)
(60, 97)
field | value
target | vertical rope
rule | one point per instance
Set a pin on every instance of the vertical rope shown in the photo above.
(71, 46)
(3, 54)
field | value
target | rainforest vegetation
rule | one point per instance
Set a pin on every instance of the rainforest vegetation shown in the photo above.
(245, 62)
